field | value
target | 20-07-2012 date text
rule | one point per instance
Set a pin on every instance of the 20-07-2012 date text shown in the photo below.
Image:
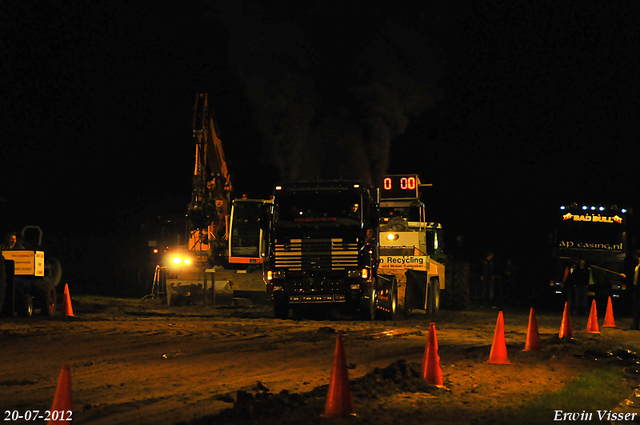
(38, 415)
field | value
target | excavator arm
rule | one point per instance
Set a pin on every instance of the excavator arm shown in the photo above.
(209, 208)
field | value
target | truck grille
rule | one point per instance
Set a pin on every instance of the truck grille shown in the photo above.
(316, 254)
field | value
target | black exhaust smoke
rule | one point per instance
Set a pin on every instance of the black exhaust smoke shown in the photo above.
(331, 96)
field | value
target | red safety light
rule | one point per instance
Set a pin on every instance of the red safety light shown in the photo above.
(364, 273)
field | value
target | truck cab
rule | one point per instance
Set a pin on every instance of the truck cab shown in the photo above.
(323, 249)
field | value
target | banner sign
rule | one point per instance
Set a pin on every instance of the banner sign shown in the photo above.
(402, 262)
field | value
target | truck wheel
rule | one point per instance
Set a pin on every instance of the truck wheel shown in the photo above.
(46, 297)
(368, 306)
(25, 305)
(53, 271)
(393, 300)
(49, 301)
(433, 295)
(281, 306)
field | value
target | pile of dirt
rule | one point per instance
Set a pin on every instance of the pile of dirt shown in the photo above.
(373, 391)
(263, 407)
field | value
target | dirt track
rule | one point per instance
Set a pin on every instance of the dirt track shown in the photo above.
(143, 362)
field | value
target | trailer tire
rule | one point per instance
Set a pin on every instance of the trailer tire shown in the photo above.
(281, 306)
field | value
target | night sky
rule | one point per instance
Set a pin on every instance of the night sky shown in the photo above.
(508, 108)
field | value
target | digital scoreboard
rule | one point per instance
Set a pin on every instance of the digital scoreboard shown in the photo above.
(400, 186)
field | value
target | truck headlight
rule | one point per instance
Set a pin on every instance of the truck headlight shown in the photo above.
(178, 260)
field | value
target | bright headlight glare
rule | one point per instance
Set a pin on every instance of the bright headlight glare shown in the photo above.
(392, 236)
(176, 260)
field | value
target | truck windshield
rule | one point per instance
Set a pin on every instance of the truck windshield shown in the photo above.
(408, 213)
(319, 207)
(245, 228)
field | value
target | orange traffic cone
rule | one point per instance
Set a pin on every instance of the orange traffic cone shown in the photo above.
(67, 309)
(533, 337)
(339, 400)
(565, 327)
(431, 371)
(62, 405)
(498, 353)
(592, 324)
(609, 322)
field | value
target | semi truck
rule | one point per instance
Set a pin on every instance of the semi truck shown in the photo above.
(598, 234)
(324, 250)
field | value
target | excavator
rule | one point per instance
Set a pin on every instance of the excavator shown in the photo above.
(218, 231)
(209, 209)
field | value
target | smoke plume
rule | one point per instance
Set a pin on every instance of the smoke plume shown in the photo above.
(331, 89)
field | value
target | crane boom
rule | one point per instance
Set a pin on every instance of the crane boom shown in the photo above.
(209, 209)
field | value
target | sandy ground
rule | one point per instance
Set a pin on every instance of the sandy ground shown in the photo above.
(143, 362)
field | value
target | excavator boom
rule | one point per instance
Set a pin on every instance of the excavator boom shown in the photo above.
(209, 209)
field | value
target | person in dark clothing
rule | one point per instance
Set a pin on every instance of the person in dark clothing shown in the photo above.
(11, 242)
(510, 284)
(488, 278)
(568, 284)
(579, 280)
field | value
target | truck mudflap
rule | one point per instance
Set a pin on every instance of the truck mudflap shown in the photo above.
(387, 296)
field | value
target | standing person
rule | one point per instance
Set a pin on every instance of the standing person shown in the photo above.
(636, 293)
(11, 242)
(568, 284)
(488, 278)
(510, 280)
(579, 279)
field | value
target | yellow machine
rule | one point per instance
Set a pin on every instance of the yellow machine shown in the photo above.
(27, 285)
(209, 210)
(408, 244)
(216, 234)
